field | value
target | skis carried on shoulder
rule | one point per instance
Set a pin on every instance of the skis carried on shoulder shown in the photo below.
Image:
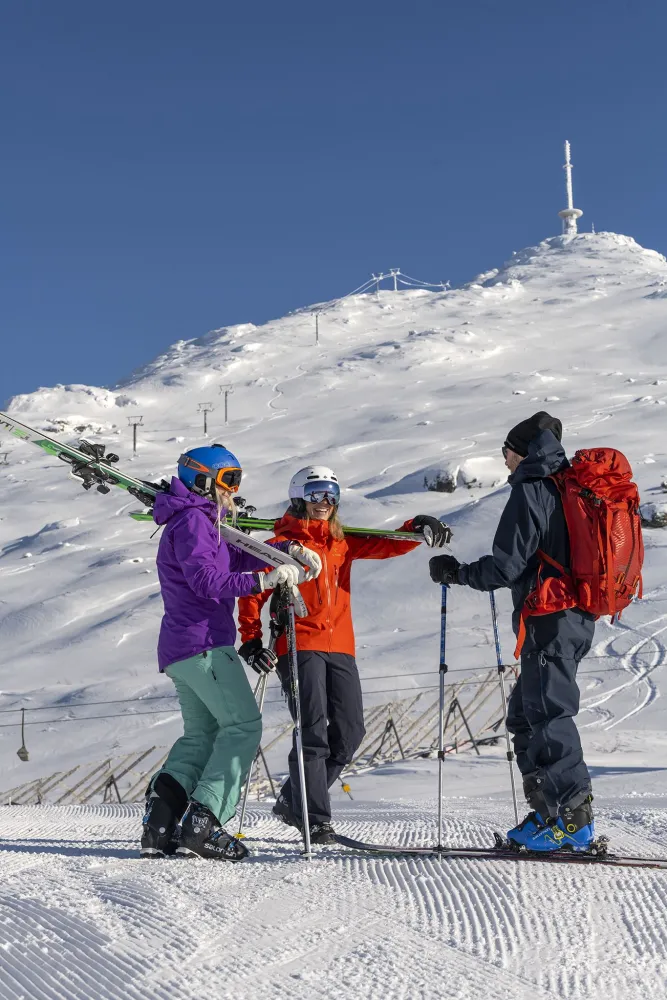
(502, 851)
(89, 464)
(93, 468)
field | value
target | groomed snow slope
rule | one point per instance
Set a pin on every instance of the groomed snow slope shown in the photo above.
(82, 918)
(402, 386)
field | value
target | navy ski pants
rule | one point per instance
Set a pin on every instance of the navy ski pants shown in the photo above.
(332, 719)
(542, 707)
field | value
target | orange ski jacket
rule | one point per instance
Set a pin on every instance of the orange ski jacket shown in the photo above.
(328, 625)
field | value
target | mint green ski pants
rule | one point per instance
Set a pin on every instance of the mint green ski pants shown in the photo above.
(222, 728)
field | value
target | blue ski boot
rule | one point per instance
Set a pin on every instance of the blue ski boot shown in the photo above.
(573, 830)
(527, 828)
(536, 819)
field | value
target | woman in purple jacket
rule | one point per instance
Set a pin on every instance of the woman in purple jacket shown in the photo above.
(201, 577)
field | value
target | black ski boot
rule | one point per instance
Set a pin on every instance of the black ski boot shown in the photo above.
(578, 823)
(322, 833)
(283, 810)
(203, 837)
(166, 801)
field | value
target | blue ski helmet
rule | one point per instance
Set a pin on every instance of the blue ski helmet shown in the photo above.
(202, 469)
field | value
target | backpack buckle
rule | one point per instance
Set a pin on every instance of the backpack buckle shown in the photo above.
(590, 496)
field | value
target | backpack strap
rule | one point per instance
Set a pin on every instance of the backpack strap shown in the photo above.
(552, 562)
(547, 597)
(610, 562)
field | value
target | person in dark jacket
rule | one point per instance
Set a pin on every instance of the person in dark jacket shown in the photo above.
(545, 700)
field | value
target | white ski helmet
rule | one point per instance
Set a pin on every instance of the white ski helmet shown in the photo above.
(313, 477)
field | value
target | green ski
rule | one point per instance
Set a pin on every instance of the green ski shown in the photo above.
(89, 464)
(246, 523)
(92, 467)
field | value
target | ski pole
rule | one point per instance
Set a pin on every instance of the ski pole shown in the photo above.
(294, 681)
(441, 719)
(276, 632)
(261, 687)
(503, 696)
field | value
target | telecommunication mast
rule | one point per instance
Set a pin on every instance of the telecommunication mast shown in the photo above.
(570, 214)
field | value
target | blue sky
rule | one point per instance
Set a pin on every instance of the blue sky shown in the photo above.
(168, 168)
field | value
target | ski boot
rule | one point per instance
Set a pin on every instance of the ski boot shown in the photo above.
(322, 833)
(536, 819)
(166, 801)
(572, 830)
(203, 837)
(283, 810)
(526, 829)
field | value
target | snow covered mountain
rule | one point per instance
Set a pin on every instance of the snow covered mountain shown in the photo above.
(403, 387)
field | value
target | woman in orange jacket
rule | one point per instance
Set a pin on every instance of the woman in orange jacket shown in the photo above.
(329, 688)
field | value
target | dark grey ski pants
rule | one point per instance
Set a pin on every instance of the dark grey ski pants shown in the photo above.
(332, 718)
(542, 707)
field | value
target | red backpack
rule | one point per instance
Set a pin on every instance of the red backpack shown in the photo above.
(601, 505)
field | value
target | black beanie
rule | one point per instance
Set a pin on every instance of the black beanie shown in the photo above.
(520, 436)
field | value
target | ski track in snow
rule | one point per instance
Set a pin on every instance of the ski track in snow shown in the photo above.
(280, 411)
(81, 916)
(639, 670)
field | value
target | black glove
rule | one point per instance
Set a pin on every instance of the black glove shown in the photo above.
(436, 533)
(262, 660)
(444, 569)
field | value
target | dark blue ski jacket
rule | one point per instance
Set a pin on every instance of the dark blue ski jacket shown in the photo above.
(533, 519)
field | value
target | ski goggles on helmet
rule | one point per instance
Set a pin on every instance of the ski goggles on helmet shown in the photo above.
(228, 478)
(322, 492)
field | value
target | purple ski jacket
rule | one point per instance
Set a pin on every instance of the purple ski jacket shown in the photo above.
(199, 579)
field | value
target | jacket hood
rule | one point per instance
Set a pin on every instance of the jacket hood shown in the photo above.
(179, 498)
(303, 530)
(545, 457)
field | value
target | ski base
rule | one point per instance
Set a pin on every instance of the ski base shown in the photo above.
(504, 852)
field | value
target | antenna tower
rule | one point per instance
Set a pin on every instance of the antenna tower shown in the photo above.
(570, 214)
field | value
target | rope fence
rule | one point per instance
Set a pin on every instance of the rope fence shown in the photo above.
(406, 727)
(619, 668)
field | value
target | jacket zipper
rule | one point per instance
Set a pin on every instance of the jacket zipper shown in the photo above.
(319, 592)
(336, 578)
(326, 580)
